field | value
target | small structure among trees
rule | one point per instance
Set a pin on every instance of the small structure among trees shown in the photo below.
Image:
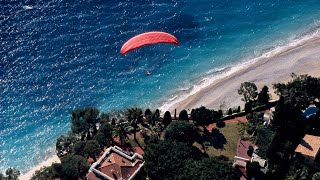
(309, 150)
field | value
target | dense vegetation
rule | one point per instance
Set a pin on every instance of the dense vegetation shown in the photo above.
(278, 141)
(10, 174)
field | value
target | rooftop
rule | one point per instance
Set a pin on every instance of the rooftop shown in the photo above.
(309, 145)
(116, 163)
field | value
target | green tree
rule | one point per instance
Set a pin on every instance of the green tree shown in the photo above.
(47, 172)
(175, 114)
(278, 115)
(101, 139)
(263, 96)
(43, 173)
(167, 118)
(299, 171)
(249, 92)
(183, 115)
(92, 148)
(74, 167)
(106, 130)
(157, 129)
(299, 91)
(263, 140)
(230, 111)
(148, 115)
(121, 132)
(135, 117)
(216, 115)
(113, 121)
(64, 144)
(202, 116)
(316, 176)
(248, 107)
(12, 174)
(166, 159)
(181, 131)
(147, 112)
(155, 117)
(104, 118)
(253, 170)
(157, 113)
(239, 109)
(84, 120)
(209, 168)
(78, 147)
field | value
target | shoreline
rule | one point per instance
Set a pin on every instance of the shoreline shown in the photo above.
(47, 162)
(220, 91)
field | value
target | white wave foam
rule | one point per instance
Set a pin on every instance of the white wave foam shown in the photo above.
(216, 74)
(27, 7)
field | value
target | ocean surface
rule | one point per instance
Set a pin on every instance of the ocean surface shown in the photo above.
(57, 55)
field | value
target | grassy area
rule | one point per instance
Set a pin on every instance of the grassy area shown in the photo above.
(230, 133)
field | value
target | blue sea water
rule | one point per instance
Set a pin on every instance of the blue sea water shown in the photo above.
(57, 55)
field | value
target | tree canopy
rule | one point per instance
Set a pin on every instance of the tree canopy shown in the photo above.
(249, 91)
(64, 144)
(209, 168)
(84, 120)
(316, 176)
(263, 96)
(135, 117)
(92, 148)
(74, 167)
(183, 115)
(202, 116)
(263, 141)
(299, 91)
(106, 130)
(181, 131)
(167, 118)
(78, 148)
(253, 170)
(12, 174)
(51, 172)
(167, 160)
(101, 139)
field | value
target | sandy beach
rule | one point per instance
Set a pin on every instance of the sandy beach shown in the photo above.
(301, 58)
(48, 162)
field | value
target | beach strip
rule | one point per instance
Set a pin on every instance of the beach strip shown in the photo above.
(47, 162)
(300, 58)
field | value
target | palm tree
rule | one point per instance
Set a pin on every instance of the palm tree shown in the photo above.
(135, 117)
(120, 131)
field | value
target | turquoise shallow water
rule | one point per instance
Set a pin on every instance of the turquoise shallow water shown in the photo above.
(57, 55)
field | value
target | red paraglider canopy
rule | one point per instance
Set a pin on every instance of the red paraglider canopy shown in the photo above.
(146, 39)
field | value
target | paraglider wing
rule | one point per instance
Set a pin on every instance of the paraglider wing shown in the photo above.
(147, 39)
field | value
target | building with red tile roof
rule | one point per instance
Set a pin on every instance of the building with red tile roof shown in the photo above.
(116, 163)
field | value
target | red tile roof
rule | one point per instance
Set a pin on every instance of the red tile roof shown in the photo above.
(116, 164)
